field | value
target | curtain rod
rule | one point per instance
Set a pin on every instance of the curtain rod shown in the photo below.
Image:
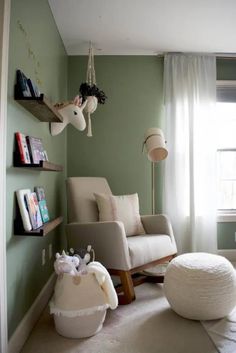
(225, 56)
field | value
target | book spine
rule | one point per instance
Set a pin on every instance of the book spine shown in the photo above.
(20, 146)
(29, 148)
(32, 149)
(26, 151)
(23, 148)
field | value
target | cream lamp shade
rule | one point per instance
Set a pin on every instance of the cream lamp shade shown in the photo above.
(155, 144)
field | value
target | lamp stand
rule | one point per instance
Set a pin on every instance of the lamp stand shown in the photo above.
(153, 188)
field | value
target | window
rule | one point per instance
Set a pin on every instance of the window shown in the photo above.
(226, 153)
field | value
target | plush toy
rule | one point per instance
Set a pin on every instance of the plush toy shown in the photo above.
(72, 112)
(84, 256)
(66, 264)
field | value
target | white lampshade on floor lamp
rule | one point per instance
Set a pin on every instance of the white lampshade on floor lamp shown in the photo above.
(155, 144)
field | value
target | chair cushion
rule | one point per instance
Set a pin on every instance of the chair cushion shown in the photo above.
(150, 247)
(82, 206)
(121, 208)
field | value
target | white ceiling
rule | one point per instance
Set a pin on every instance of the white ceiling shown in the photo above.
(146, 27)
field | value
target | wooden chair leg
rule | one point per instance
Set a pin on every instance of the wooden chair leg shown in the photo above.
(128, 288)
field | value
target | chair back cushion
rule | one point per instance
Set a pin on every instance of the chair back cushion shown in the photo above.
(123, 208)
(81, 204)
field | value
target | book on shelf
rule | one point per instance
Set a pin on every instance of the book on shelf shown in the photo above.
(23, 207)
(33, 88)
(36, 149)
(40, 193)
(22, 87)
(22, 147)
(42, 203)
(44, 211)
(34, 211)
(25, 87)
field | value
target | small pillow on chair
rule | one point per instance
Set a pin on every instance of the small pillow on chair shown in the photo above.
(121, 208)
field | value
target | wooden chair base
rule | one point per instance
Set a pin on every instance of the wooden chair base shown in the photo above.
(130, 279)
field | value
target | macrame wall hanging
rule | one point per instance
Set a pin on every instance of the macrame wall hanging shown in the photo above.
(90, 92)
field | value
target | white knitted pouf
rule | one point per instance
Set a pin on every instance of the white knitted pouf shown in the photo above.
(200, 286)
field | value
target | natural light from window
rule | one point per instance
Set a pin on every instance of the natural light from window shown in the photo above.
(226, 153)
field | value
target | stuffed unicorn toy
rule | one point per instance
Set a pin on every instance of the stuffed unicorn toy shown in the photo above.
(71, 112)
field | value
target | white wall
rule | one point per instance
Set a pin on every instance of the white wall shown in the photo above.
(4, 41)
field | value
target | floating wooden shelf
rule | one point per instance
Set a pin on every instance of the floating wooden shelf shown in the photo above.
(43, 165)
(41, 108)
(40, 232)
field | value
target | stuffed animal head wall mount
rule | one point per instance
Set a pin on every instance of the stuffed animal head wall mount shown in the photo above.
(72, 113)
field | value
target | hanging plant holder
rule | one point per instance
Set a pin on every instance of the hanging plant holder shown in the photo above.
(90, 92)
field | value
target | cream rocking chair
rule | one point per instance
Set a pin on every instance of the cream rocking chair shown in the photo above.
(122, 256)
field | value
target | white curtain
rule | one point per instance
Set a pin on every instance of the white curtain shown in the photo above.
(190, 192)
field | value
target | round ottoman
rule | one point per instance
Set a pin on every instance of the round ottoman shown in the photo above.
(200, 286)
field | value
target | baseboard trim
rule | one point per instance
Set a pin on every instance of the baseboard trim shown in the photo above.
(230, 254)
(26, 325)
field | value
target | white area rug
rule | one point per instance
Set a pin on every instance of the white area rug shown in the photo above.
(223, 333)
(148, 325)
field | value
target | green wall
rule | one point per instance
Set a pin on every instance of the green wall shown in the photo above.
(37, 49)
(134, 86)
(226, 70)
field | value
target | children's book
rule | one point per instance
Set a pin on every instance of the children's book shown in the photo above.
(22, 148)
(22, 85)
(42, 203)
(34, 211)
(36, 149)
(44, 211)
(23, 206)
(40, 192)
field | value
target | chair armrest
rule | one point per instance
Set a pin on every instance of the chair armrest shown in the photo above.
(158, 224)
(107, 238)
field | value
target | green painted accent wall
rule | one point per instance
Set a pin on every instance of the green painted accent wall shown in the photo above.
(134, 86)
(226, 235)
(35, 48)
(226, 70)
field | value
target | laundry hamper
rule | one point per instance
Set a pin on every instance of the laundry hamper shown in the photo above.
(79, 305)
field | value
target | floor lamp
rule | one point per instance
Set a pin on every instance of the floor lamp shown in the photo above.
(155, 144)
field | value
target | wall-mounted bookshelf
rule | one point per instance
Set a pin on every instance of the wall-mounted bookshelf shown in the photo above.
(44, 111)
(39, 232)
(41, 108)
(42, 166)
